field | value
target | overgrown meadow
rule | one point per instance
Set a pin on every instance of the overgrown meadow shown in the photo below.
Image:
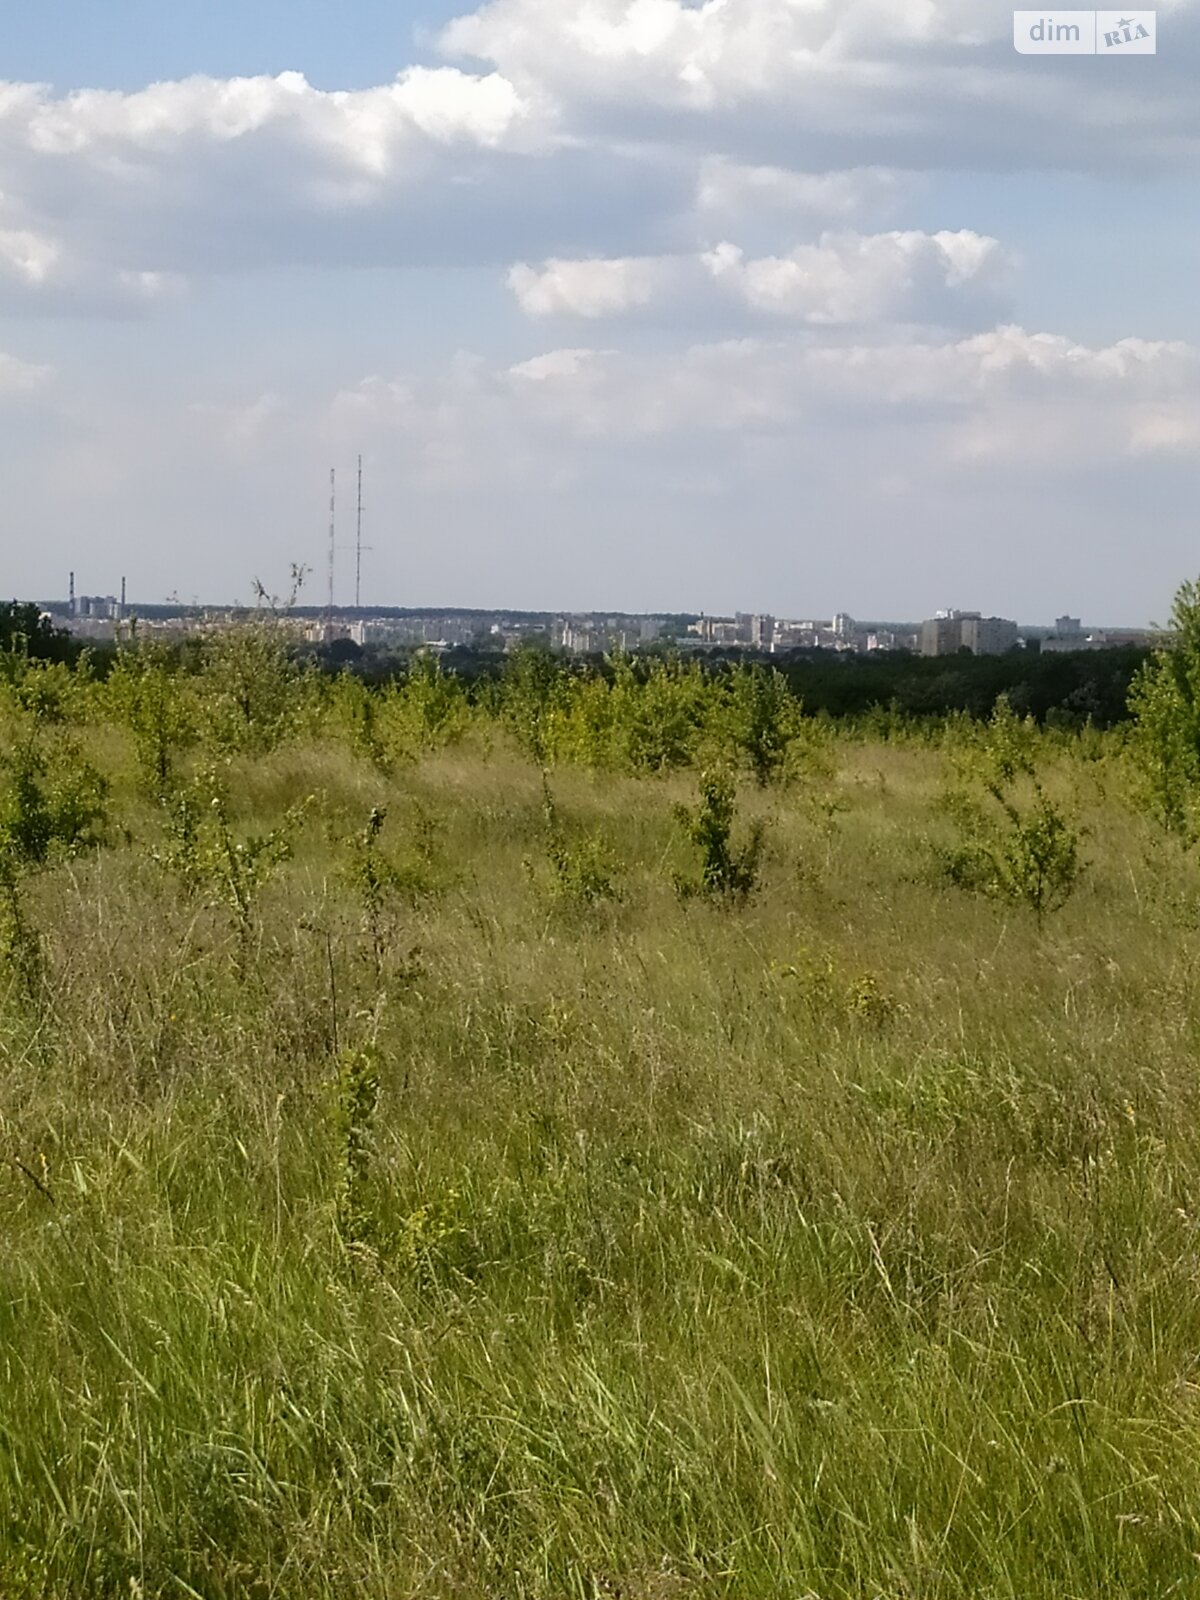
(605, 1135)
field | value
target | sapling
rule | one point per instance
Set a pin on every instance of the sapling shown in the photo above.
(1016, 843)
(53, 805)
(727, 871)
(210, 860)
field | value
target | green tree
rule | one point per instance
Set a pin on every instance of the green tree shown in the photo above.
(1165, 702)
(760, 718)
(25, 630)
(533, 689)
(146, 692)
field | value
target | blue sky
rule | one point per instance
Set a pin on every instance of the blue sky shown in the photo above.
(747, 304)
(123, 45)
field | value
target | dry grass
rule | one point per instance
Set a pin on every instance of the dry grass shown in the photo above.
(842, 1245)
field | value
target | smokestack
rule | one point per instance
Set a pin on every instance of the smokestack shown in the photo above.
(71, 596)
(122, 599)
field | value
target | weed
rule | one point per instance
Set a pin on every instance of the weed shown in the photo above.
(356, 1100)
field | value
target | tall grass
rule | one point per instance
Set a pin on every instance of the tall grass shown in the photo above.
(843, 1241)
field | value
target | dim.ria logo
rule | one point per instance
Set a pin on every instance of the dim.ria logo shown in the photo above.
(1085, 33)
(1131, 35)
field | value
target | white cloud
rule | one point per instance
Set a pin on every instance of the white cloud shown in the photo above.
(975, 398)
(568, 364)
(590, 288)
(367, 129)
(843, 279)
(698, 56)
(110, 200)
(850, 278)
(934, 82)
(532, 481)
(609, 134)
(733, 192)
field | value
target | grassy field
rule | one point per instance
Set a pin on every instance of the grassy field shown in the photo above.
(445, 1234)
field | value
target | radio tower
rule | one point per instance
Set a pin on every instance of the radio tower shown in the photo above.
(332, 535)
(358, 546)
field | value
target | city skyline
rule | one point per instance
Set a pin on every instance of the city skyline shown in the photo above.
(107, 607)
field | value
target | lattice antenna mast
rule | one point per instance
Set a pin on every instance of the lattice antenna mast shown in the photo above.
(358, 546)
(332, 548)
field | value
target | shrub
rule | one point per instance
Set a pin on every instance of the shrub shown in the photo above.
(148, 695)
(53, 804)
(354, 710)
(1016, 843)
(52, 801)
(727, 872)
(1165, 703)
(202, 851)
(759, 717)
(256, 693)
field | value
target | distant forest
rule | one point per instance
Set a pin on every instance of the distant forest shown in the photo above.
(1065, 690)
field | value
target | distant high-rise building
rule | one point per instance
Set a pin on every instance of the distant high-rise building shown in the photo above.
(942, 635)
(988, 636)
(762, 632)
(951, 631)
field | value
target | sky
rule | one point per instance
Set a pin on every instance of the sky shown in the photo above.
(796, 306)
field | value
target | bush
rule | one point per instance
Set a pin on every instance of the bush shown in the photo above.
(1165, 702)
(1017, 844)
(147, 694)
(727, 872)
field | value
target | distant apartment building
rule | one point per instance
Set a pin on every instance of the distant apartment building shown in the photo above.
(989, 636)
(762, 632)
(722, 631)
(942, 635)
(951, 632)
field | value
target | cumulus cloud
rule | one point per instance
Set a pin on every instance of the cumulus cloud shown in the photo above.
(113, 199)
(960, 390)
(369, 129)
(620, 131)
(936, 82)
(120, 196)
(851, 278)
(843, 279)
(697, 56)
(590, 288)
